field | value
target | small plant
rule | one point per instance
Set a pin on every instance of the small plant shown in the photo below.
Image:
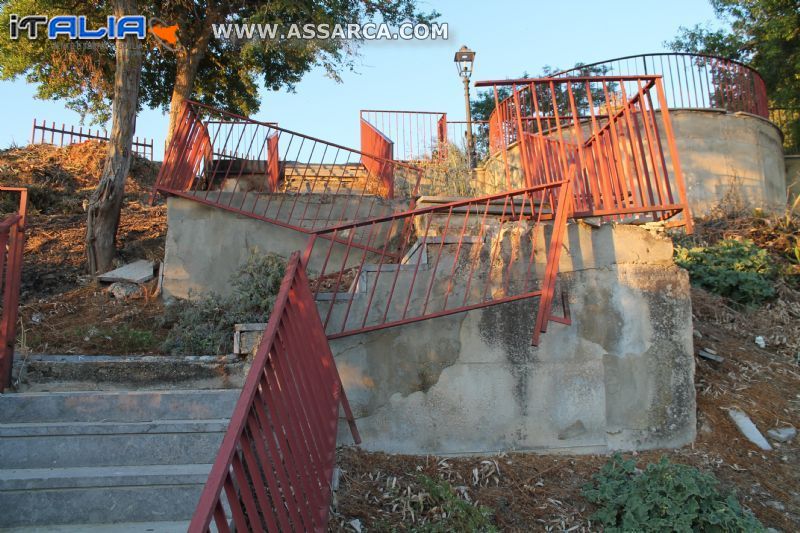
(205, 325)
(738, 270)
(664, 497)
(443, 510)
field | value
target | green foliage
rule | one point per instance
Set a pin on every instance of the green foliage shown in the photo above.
(204, 326)
(738, 270)
(664, 497)
(456, 514)
(227, 72)
(761, 33)
(81, 77)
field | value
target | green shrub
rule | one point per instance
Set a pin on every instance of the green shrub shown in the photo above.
(201, 326)
(451, 512)
(738, 270)
(664, 497)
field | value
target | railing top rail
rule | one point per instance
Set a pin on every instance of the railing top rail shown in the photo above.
(301, 135)
(525, 81)
(403, 111)
(9, 221)
(467, 122)
(440, 207)
(377, 131)
(653, 54)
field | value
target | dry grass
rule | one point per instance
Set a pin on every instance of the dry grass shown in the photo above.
(71, 314)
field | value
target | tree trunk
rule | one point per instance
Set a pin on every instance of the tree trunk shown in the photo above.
(106, 201)
(188, 60)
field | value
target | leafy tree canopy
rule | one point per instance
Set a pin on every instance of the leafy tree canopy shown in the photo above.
(227, 73)
(765, 34)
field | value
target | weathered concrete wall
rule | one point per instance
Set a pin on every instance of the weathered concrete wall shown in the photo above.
(793, 176)
(205, 244)
(723, 155)
(620, 377)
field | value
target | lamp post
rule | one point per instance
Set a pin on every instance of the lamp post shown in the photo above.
(464, 59)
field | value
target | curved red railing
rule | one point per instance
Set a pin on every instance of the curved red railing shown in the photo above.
(606, 125)
(697, 81)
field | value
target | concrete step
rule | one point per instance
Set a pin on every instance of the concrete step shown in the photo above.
(121, 527)
(49, 373)
(100, 494)
(125, 406)
(108, 461)
(76, 444)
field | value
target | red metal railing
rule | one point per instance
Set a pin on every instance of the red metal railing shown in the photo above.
(443, 260)
(265, 172)
(690, 80)
(376, 143)
(417, 135)
(613, 128)
(274, 468)
(62, 136)
(12, 244)
(587, 147)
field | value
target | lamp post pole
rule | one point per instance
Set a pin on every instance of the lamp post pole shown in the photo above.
(470, 140)
(464, 59)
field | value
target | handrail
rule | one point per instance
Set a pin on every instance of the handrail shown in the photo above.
(12, 244)
(274, 468)
(692, 80)
(638, 56)
(617, 140)
(412, 277)
(417, 135)
(263, 171)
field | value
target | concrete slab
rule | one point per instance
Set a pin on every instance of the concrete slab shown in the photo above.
(136, 272)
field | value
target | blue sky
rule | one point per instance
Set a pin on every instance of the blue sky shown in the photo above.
(509, 37)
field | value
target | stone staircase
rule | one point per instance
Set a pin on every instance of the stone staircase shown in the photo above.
(107, 460)
(325, 178)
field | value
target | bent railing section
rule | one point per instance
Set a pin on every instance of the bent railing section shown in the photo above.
(690, 80)
(615, 129)
(12, 244)
(443, 259)
(375, 143)
(262, 171)
(417, 136)
(273, 471)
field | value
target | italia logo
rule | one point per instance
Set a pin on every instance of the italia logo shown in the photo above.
(77, 27)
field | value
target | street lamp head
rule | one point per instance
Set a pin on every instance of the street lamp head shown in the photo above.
(464, 59)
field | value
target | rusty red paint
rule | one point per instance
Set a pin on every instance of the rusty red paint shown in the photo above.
(694, 80)
(260, 170)
(274, 467)
(12, 244)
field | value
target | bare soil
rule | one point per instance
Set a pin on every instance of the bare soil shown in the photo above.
(529, 492)
(61, 310)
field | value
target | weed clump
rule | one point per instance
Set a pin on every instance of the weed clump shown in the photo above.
(203, 326)
(735, 269)
(664, 497)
